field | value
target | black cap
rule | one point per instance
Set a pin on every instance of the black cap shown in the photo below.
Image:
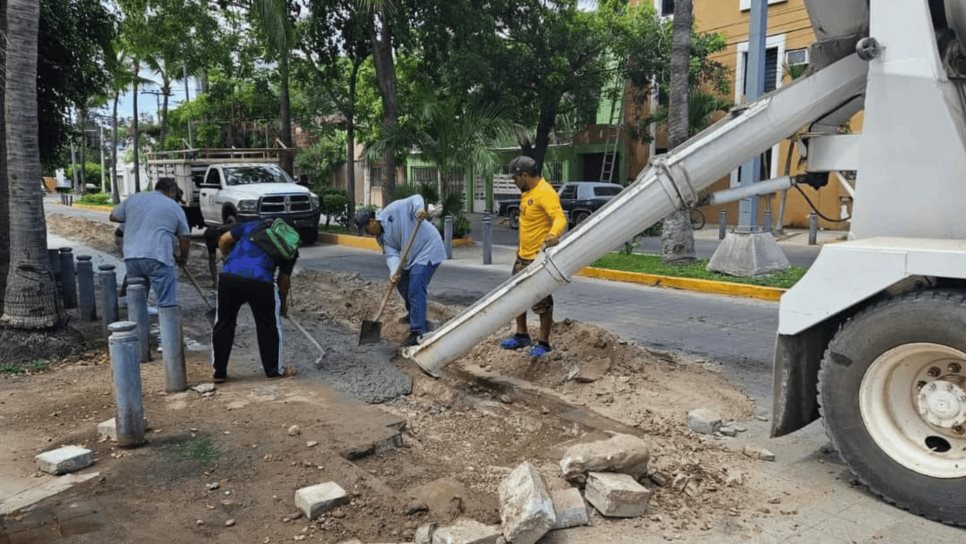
(362, 218)
(523, 165)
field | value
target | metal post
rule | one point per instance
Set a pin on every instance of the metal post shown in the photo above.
(85, 288)
(108, 282)
(172, 349)
(768, 220)
(137, 311)
(812, 229)
(123, 344)
(722, 224)
(448, 235)
(67, 277)
(487, 238)
(755, 69)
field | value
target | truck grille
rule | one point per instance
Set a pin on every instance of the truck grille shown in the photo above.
(281, 204)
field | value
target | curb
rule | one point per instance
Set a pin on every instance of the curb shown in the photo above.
(772, 294)
(744, 290)
(105, 209)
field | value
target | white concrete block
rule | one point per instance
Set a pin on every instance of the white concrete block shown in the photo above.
(315, 499)
(65, 459)
(616, 495)
(569, 507)
(704, 421)
(467, 531)
(622, 453)
(525, 506)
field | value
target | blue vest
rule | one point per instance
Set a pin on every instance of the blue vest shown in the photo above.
(246, 259)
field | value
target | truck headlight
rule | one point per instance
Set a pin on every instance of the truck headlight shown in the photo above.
(248, 206)
(314, 200)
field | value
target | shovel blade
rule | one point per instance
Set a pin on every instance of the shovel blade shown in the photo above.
(371, 332)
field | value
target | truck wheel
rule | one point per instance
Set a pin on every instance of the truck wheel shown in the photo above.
(514, 219)
(580, 217)
(892, 392)
(309, 236)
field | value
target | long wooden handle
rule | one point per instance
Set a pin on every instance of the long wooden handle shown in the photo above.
(191, 278)
(402, 262)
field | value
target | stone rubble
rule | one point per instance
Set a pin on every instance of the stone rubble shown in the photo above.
(526, 510)
(704, 421)
(64, 460)
(616, 495)
(316, 499)
(621, 453)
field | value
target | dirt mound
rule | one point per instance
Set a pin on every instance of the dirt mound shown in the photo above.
(95, 234)
(29, 349)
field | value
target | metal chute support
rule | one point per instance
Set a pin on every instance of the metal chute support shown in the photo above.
(670, 183)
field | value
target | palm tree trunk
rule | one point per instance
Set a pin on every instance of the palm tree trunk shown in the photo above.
(134, 129)
(30, 300)
(285, 114)
(115, 194)
(166, 91)
(82, 173)
(4, 186)
(381, 40)
(677, 237)
(350, 137)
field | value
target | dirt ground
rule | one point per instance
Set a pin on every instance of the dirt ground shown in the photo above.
(492, 410)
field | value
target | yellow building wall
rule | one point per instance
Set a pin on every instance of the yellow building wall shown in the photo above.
(789, 28)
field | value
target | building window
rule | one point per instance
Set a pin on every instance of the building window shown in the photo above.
(745, 5)
(771, 70)
(796, 57)
(665, 8)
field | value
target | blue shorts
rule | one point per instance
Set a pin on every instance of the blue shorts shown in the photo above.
(159, 276)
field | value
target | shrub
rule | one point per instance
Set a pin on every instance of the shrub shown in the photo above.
(96, 199)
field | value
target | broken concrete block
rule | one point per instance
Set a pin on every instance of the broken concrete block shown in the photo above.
(424, 534)
(525, 506)
(616, 495)
(467, 531)
(108, 429)
(315, 499)
(728, 430)
(443, 497)
(64, 460)
(704, 421)
(569, 508)
(621, 453)
(758, 453)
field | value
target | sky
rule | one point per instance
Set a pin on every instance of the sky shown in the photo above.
(148, 103)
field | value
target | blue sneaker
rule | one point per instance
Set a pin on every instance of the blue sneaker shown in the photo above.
(540, 350)
(516, 341)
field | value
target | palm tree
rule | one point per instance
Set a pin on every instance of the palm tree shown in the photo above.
(4, 190)
(30, 300)
(122, 77)
(163, 68)
(273, 19)
(677, 237)
(134, 129)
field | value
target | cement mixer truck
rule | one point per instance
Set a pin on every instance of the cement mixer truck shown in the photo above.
(873, 339)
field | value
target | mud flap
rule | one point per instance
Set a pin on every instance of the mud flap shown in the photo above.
(795, 387)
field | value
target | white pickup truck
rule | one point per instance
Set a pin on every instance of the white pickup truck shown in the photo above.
(225, 186)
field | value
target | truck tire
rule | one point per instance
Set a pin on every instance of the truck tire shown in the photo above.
(309, 236)
(892, 392)
(514, 219)
(580, 217)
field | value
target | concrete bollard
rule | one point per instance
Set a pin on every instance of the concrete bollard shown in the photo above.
(53, 255)
(123, 344)
(812, 229)
(108, 282)
(768, 221)
(487, 238)
(68, 278)
(448, 235)
(137, 311)
(85, 288)
(722, 224)
(172, 349)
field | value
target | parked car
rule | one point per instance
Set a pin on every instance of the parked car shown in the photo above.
(579, 199)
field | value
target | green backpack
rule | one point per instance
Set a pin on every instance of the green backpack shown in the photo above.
(277, 238)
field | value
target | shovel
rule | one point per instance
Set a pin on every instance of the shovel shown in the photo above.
(210, 314)
(310, 338)
(372, 329)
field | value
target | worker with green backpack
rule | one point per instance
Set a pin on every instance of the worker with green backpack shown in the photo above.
(253, 252)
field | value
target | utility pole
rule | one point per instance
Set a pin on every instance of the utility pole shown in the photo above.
(187, 98)
(73, 155)
(100, 143)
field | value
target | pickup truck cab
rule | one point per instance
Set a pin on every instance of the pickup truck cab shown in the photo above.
(232, 193)
(578, 199)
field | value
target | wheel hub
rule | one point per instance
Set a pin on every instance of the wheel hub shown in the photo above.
(943, 404)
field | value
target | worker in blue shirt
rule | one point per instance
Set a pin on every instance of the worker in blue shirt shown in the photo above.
(392, 226)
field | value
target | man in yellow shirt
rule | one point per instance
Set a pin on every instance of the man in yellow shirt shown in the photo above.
(542, 222)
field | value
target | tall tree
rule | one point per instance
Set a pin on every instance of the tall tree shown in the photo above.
(4, 185)
(275, 22)
(380, 36)
(30, 300)
(135, 133)
(677, 237)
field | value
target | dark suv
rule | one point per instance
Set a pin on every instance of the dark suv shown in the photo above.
(579, 199)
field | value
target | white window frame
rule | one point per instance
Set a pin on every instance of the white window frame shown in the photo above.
(802, 49)
(745, 5)
(771, 42)
(657, 8)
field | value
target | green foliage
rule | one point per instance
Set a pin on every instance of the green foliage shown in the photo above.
(652, 264)
(794, 71)
(321, 158)
(199, 449)
(702, 105)
(96, 199)
(92, 172)
(333, 203)
(35, 365)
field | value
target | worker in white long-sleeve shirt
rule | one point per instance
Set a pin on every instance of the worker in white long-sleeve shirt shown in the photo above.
(393, 226)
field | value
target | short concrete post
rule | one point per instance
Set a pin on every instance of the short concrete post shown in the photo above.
(123, 344)
(68, 278)
(85, 288)
(137, 311)
(768, 221)
(722, 224)
(448, 235)
(108, 282)
(812, 229)
(487, 238)
(53, 255)
(172, 349)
